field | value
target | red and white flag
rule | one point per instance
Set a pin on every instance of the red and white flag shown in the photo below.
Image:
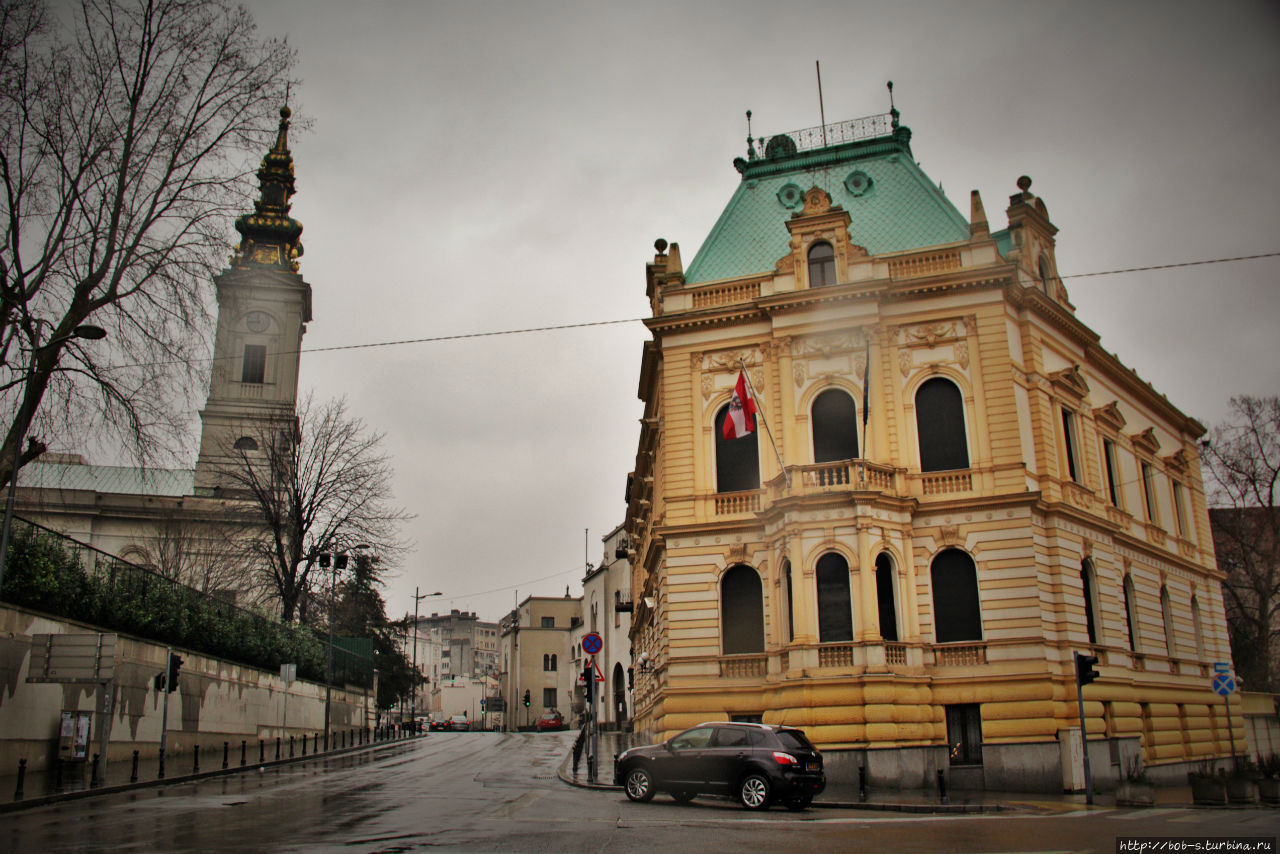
(741, 418)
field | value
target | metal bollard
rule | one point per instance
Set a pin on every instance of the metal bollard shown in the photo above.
(262, 751)
(93, 772)
(160, 776)
(304, 745)
(942, 786)
(195, 759)
(862, 782)
(242, 753)
(133, 772)
(225, 745)
(277, 748)
(315, 747)
(290, 747)
(22, 775)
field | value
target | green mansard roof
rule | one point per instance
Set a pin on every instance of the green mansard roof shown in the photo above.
(892, 204)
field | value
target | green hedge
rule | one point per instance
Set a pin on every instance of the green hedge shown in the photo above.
(44, 576)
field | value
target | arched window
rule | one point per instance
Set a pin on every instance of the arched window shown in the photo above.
(835, 610)
(940, 426)
(1043, 269)
(957, 615)
(553, 661)
(619, 694)
(741, 611)
(1130, 612)
(246, 443)
(884, 597)
(546, 661)
(737, 460)
(822, 265)
(1087, 583)
(835, 427)
(791, 603)
(1166, 611)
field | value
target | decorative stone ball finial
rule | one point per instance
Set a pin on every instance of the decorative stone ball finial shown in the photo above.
(285, 112)
(1024, 183)
(660, 245)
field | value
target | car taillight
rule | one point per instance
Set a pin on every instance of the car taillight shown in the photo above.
(784, 758)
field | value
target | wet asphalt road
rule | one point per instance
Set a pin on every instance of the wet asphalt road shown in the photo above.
(500, 792)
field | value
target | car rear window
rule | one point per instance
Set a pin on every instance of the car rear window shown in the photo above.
(793, 739)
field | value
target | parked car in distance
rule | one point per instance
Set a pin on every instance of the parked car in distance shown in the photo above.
(551, 721)
(757, 764)
(439, 724)
(459, 723)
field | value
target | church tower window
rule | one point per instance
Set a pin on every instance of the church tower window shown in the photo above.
(255, 364)
(822, 265)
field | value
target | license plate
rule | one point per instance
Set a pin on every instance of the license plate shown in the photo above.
(813, 766)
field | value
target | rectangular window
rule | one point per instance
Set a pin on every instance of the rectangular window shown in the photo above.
(1069, 437)
(1149, 493)
(1113, 471)
(548, 698)
(964, 734)
(255, 364)
(548, 622)
(1180, 508)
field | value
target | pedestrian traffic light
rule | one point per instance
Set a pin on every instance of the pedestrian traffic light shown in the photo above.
(175, 664)
(1085, 672)
(527, 701)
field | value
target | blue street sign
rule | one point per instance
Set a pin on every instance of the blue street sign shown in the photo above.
(1221, 667)
(1223, 684)
(592, 643)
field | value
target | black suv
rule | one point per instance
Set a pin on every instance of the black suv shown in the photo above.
(757, 764)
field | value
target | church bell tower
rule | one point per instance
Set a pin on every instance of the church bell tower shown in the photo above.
(263, 308)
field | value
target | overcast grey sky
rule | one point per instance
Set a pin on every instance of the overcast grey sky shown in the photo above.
(484, 166)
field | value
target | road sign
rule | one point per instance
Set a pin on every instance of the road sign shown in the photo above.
(72, 658)
(1223, 684)
(1221, 667)
(592, 643)
(599, 675)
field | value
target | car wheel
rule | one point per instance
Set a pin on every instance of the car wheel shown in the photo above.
(639, 785)
(800, 803)
(683, 797)
(755, 792)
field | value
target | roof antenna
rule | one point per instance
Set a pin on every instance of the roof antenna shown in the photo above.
(822, 113)
(751, 152)
(893, 111)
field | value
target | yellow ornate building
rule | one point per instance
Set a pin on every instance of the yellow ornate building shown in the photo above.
(966, 489)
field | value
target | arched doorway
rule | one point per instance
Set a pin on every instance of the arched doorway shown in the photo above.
(619, 709)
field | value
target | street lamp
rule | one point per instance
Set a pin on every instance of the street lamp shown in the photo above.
(88, 333)
(339, 562)
(413, 696)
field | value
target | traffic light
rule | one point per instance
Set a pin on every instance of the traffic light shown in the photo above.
(175, 664)
(1085, 672)
(159, 681)
(482, 702)
(340, 562)
(527, 701)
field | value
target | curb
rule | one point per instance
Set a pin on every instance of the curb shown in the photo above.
(80, 794)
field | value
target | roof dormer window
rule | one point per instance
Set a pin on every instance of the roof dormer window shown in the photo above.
(822, 265)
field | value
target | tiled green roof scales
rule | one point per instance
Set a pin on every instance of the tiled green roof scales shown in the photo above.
(900, 209)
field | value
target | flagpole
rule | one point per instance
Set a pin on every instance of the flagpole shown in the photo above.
(760, 411)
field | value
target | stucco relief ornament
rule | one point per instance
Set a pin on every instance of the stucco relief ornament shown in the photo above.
(860, 364)
(931, 333)
(962, 354)
(904, 362)
(798, 373)
(950, 535)
(708, 386)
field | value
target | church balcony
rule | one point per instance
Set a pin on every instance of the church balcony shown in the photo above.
(744, 666)
(251, 391)
(841, 476)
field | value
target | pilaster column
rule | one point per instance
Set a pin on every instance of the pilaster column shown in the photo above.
(868, 612)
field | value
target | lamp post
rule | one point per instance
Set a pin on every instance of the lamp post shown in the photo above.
(88, 333)
(339, 562)
(413, 701)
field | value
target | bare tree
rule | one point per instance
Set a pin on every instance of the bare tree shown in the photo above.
(320, 486)
(211, 554)
(1243, 461)
(128, 133)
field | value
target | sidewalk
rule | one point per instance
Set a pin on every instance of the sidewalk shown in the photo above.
(45, 787)
(847, 796)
